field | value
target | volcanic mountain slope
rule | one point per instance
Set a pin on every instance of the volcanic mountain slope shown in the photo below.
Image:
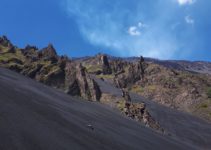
(166, 83)
(100, 78)
(33, 116)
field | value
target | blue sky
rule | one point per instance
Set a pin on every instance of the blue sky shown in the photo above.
(165, 29)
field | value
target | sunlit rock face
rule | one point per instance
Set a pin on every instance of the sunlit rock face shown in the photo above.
(79, 82)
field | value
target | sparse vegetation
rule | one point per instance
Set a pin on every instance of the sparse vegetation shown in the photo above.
(137, 89)
(3, 49)
(107, 76)
(93, 68)
(204, 106)
(151, 88)
(209, 92)
(121, 105)
(7, 57)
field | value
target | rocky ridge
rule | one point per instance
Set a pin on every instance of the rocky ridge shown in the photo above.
(60, 72)
(175, 88)
(168, 85)
(47, 67)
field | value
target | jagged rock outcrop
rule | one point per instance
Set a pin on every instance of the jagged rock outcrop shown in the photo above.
(142, 67)
(79, 82)
(71, 83)
(103, 61)
(31, 71)
(11, 49)
(29, 47)
(6, 46)
(139, 112)
(117, 66)
(30, 53)
(52, 75)
(30, 50)
(5, 42)
(133, 73)
(47, 67)
(48, 53)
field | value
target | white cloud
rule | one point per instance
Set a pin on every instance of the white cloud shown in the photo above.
(112, 28)
(136, 30)
(141, 25)
(189, 20)
(184, 2)
(133, 31)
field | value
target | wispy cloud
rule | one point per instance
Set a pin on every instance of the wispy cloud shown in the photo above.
(189, 20)
(136, 30)
(116, 26)
(142, 25)
(185, 2)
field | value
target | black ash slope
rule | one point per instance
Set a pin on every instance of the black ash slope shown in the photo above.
(180, 125)
(36, 117)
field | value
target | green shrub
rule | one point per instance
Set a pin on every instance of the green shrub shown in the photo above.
(108, 76)
(204, 105)
(93, 68)
(137, 89)
(151, 88)
(209, 92)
